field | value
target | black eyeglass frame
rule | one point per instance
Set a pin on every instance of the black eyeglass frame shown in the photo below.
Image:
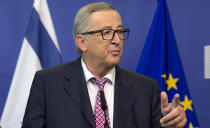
(115, 31)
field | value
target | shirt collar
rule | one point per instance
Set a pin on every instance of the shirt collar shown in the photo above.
(88, 75)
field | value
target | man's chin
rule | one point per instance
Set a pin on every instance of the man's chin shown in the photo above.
(114, 60)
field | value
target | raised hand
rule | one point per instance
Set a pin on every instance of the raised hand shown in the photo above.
(173, 114)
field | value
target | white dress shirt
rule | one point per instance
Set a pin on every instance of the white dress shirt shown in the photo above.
(108, 89)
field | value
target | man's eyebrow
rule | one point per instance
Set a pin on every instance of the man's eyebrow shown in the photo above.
(109, 27)
(120, 26)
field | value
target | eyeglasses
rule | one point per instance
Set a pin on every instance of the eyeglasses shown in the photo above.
(108, 34)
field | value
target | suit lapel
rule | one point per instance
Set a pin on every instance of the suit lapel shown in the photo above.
(123, 98)
(77, 90)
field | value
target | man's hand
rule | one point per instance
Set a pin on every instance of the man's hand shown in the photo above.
(173, 114)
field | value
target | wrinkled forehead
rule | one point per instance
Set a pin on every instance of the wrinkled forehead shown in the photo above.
(105, 19)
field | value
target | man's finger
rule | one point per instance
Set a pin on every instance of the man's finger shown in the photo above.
(175, 101)
(164, 100)
(177, 122)
(164, 103)
(173, 120)
(172, 115)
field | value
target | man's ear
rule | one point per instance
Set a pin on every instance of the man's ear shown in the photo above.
(80, 40)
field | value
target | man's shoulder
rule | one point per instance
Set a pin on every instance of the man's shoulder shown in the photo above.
(60, 69)
(132, 75)
(136, 79)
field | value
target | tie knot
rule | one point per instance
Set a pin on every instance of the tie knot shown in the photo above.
(100, 82)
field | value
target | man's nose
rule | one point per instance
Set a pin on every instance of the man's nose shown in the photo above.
(116, 38)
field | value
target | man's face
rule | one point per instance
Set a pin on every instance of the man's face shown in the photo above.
(104, 52)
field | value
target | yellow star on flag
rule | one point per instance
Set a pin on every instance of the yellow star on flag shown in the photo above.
(191, 126)
(186, 103)
(171, 82)
(164, 76)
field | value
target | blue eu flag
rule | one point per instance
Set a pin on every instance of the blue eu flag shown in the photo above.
(160, 60)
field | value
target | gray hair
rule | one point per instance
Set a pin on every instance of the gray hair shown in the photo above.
(81, 23)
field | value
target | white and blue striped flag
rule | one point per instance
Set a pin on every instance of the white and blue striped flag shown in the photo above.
(39, 50)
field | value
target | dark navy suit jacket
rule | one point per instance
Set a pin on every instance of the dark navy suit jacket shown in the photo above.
(59, 99)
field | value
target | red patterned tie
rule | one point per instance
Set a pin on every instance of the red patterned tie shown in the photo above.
(99, 113)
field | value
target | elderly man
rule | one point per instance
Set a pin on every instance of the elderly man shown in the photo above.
(93, 92)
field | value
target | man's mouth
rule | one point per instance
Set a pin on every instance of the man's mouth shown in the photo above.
(115, 52)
